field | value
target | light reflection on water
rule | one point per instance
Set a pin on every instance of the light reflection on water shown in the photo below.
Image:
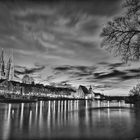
(69, 119)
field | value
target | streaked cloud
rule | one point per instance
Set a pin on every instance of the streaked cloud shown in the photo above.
(62, 37)
(21, 70)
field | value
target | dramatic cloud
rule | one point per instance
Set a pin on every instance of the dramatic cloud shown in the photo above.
(19, 70)
(63, 68)
(112, 74)
(75, 71)
(60, 28)
(62, 38)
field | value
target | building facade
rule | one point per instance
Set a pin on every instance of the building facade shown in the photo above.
(82, 92)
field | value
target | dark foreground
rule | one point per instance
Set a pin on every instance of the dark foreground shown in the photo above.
(69, 120)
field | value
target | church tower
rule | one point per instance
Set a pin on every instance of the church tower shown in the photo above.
(10, 69)
(2, 65)
(91, 91)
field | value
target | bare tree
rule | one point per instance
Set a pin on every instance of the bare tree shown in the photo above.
(135, 91)
(122, 34)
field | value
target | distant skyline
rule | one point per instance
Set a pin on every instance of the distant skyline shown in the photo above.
(58, 42)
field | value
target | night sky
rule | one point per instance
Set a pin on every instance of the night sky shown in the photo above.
(58, 43)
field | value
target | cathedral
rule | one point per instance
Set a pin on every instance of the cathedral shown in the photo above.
(6, 70)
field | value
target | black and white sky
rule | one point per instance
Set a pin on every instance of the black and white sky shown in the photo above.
(58, 42)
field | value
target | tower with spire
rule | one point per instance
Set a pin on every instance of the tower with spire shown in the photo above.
(91, 91)
(6, 72)
(2, 65)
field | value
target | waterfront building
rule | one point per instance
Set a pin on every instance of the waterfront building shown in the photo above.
(9, 87)
(98, 96)
(82, 91)
(94, 95)
(6, 86)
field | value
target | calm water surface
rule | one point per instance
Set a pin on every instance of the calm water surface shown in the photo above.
(69, 119)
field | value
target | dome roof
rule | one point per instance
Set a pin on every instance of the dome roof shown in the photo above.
(27, 79)
(26, 76)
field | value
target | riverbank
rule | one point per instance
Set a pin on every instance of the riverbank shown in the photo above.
(18, 98)
(13, 98)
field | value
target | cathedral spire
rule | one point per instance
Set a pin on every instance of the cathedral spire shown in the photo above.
(10, 68)
(12, 65)
(2, 55)
(2, 65)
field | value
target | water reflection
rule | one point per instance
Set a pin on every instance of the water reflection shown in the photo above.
(7, 122)
(73, 119)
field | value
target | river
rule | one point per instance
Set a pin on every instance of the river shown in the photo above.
(69, 119)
